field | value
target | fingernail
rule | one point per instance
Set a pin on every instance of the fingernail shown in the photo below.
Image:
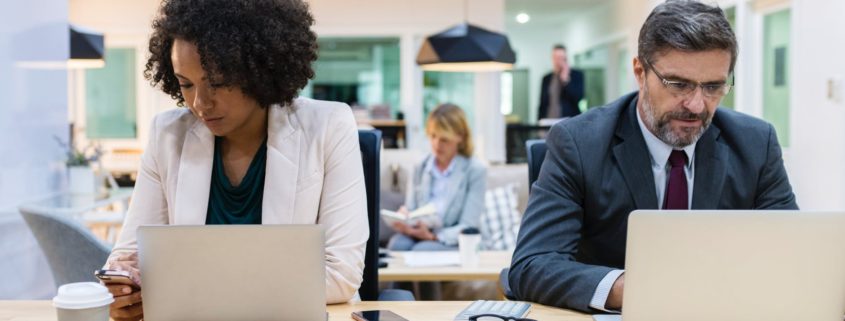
(126, 290)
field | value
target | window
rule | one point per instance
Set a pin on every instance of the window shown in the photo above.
(516, 96)
(362, 72)
(729, 100)
(110, 106)
(594, 64)
(448, 87)
(776, 30)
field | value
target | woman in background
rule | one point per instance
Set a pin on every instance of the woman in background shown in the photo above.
(246, 150)
(450, 180)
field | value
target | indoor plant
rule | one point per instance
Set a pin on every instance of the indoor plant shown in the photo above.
(81, 176)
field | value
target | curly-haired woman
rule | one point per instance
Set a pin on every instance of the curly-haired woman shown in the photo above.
(245, 150)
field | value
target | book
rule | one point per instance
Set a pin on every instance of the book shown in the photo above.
(426, 214)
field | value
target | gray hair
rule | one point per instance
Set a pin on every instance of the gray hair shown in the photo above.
(686, 25)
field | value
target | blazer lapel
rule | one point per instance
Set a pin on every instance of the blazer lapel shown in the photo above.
(421, 197)
(633, 159)
(194, 179)
(459, 171)
(282, 171)
(710, 159)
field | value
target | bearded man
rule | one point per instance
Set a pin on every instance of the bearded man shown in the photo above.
(667, 146)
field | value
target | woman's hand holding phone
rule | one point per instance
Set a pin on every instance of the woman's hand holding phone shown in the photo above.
(125, 287)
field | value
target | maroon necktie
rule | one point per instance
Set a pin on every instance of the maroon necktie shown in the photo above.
(676, 191)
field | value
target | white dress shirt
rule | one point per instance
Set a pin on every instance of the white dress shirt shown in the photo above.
(439, 192)
(659, 153)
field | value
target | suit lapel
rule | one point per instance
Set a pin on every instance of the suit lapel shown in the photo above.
(710, 159)
(633, 159)
(282, 170)
(194, 179)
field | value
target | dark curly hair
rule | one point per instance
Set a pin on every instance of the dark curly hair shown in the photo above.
(264, 47)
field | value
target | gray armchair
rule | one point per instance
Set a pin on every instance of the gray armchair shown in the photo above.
(72, 251)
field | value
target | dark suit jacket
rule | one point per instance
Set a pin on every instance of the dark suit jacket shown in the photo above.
(598, 169)
(570, 95)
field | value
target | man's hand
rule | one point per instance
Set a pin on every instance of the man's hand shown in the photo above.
(614, 299)
(565, 75)
(127, 298)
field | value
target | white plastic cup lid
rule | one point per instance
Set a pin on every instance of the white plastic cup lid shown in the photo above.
(82, 295)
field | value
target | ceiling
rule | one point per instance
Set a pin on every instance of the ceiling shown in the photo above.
(549, 11)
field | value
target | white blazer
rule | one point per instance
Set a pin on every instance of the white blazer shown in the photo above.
(314, 176)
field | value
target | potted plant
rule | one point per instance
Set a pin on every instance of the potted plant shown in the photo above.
(81, 176)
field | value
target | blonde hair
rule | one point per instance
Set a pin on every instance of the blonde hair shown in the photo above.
(449, 120)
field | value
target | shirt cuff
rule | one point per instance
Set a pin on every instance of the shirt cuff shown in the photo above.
(603, 291)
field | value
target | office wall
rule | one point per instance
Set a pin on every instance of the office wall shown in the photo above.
(817, 154)
(33, 110)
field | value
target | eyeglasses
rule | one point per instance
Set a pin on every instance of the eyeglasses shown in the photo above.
(684, 88)
(496, 317)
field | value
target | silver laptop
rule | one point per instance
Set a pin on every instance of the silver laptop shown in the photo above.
(233, 272)
(734, 265)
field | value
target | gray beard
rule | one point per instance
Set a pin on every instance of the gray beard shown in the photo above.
(662, 129)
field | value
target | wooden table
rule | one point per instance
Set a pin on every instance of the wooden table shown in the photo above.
(490, 264)
(414, 311)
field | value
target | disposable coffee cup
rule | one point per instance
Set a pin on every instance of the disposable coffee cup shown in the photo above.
(83, 301)
(469, 245)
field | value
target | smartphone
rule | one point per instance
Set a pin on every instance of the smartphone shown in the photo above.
(377, 315)
(114, 276)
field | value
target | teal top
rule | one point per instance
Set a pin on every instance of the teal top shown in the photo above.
(240, 204)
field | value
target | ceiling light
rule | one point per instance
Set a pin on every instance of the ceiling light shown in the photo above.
(523, 17)
(466, 48)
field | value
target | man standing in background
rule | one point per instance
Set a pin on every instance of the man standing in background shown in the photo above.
(562, 88)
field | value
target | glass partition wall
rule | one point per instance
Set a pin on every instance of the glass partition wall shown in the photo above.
(362, 72)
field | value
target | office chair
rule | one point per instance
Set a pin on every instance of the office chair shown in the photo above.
(72, 251)
(370, 142)
(536, 152)
(504, 286)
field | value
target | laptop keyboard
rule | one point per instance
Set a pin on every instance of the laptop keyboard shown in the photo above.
(513, 309)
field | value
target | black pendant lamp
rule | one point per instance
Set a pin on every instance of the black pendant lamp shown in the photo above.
(87, 48)
(466, 48)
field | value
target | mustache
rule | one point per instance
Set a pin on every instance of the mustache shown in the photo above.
(686, 115)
